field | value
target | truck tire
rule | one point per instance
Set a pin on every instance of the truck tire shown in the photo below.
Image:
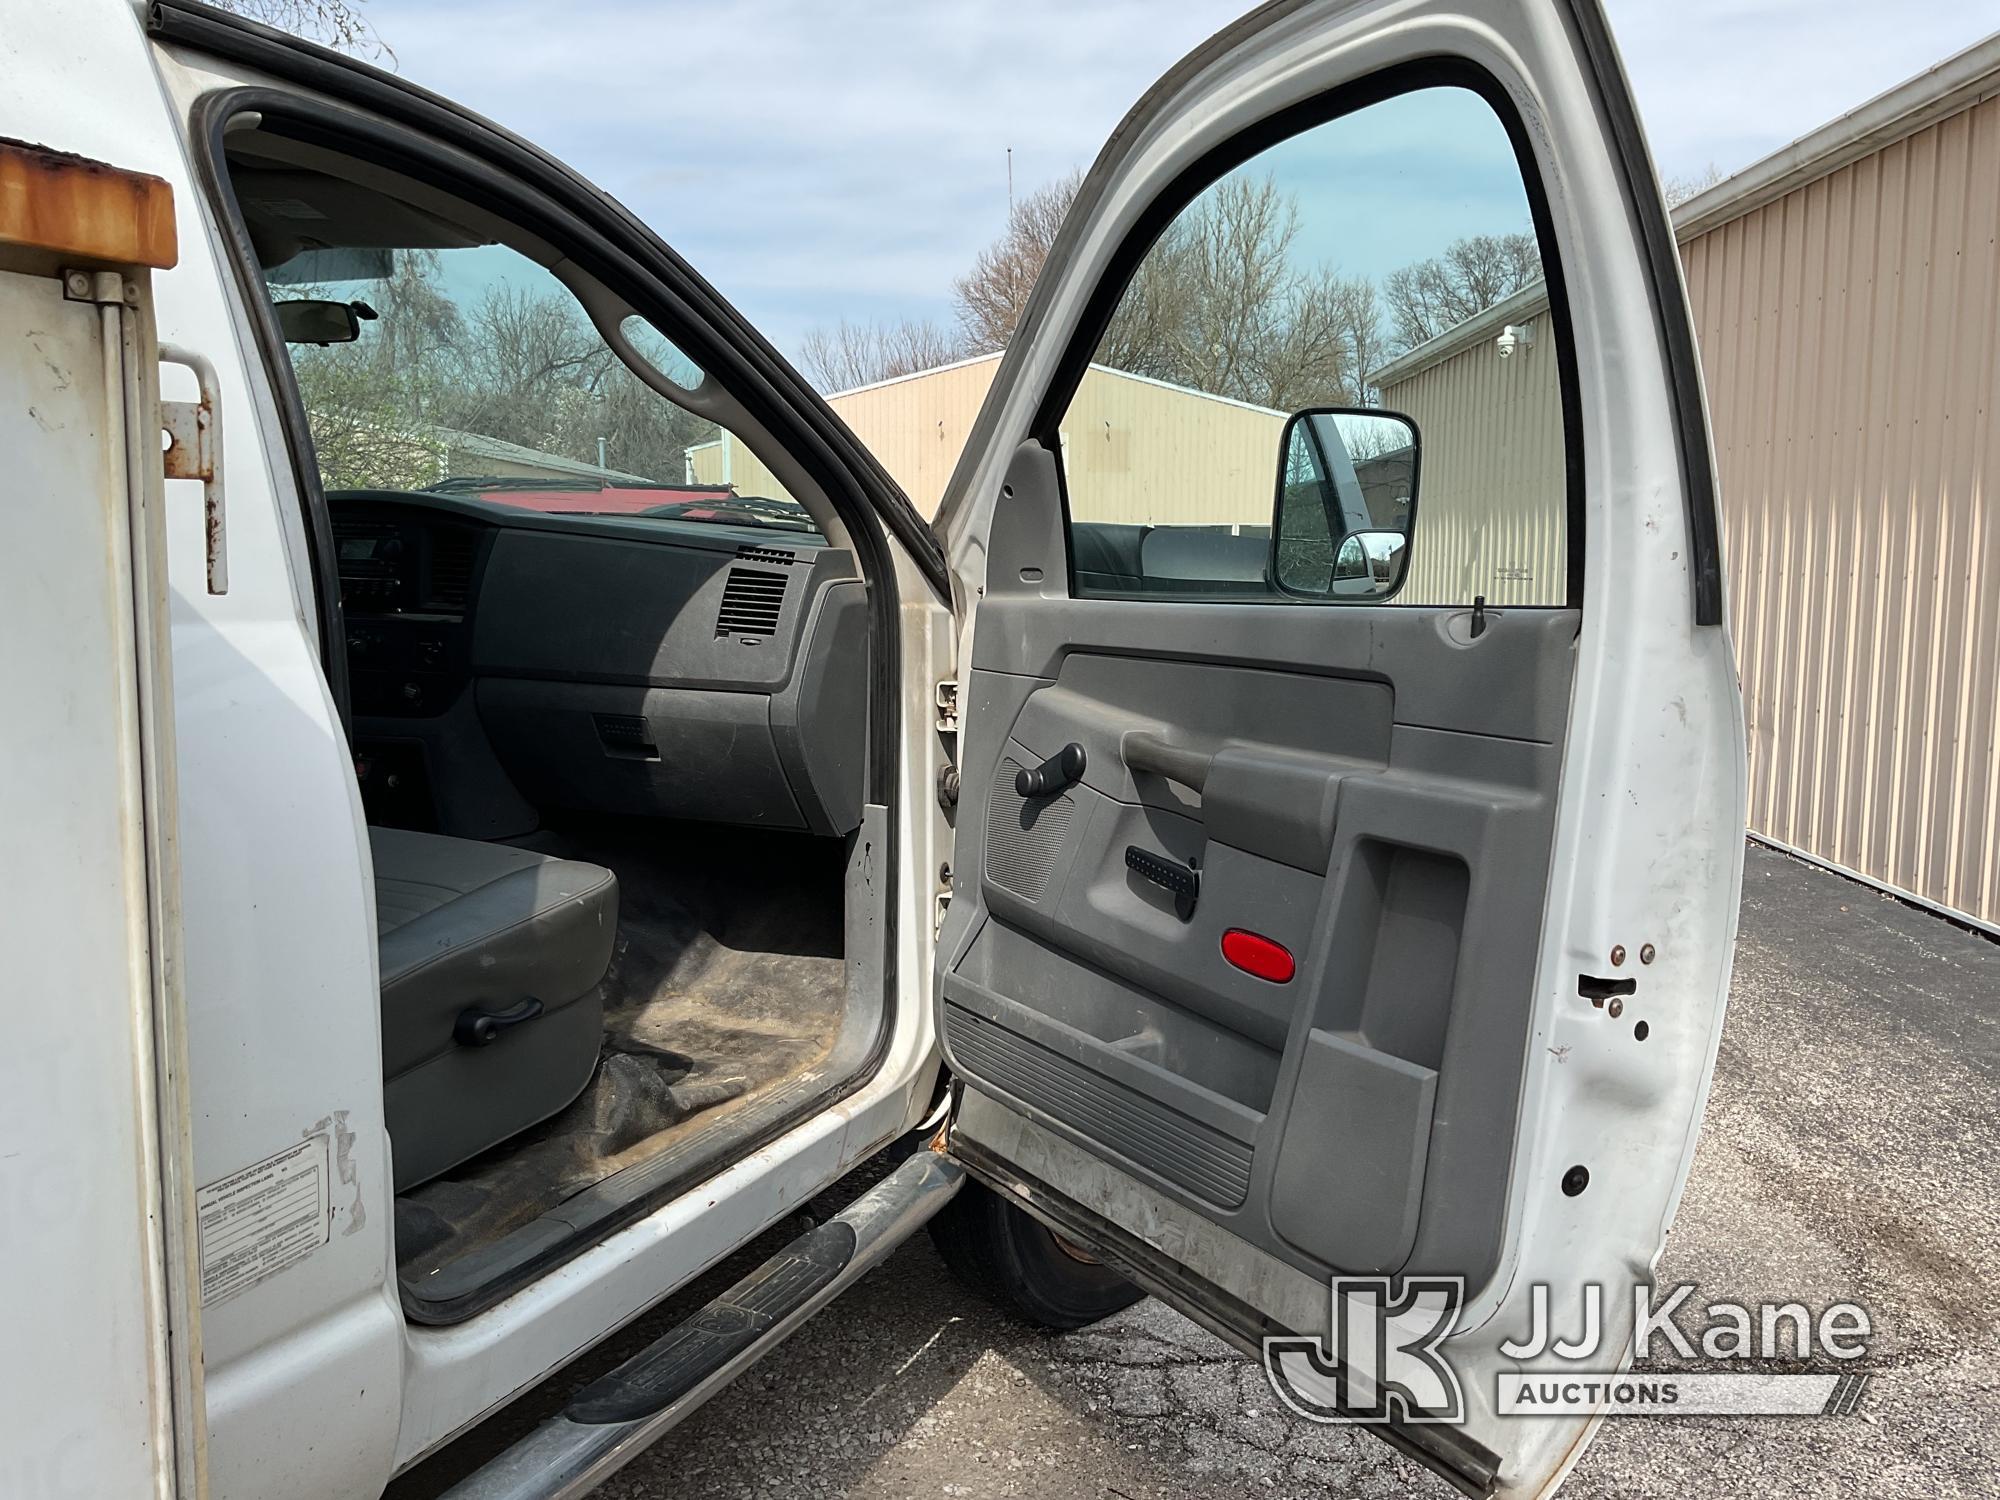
(1019, 1265)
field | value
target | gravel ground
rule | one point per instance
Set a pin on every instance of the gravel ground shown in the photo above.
(1852, 1152)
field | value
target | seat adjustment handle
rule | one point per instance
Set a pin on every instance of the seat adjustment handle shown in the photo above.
(479, 1027)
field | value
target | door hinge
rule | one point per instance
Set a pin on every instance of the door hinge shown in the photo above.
(947, 706)
(104, 287)
(943, 898)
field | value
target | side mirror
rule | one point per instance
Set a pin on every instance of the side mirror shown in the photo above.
(1369, 559)
(315, 321)
(1347, 498)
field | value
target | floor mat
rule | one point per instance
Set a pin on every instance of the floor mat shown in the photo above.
(726, 979)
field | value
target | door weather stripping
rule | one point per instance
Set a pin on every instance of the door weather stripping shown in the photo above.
(614, 1419)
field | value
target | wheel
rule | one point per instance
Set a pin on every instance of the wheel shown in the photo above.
(1023, 1267)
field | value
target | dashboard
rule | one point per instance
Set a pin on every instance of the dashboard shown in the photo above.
(504, 661)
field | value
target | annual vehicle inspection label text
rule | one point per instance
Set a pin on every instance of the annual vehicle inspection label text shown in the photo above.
(256, 1222)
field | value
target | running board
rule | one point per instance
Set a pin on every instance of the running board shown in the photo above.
(614, 1419)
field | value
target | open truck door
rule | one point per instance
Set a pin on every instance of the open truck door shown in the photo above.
(1336, 900)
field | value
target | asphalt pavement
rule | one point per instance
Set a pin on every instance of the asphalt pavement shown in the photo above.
(1851, 1153)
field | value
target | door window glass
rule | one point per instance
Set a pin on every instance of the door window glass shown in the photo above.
(1383, 262)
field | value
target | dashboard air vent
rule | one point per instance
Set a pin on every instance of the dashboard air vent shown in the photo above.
(778, 555)
(751, 602)
(451, 569)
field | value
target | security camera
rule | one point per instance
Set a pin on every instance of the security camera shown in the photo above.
(1514, 336)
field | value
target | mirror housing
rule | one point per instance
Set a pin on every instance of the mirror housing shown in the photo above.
(315, 320)
(1346, 503)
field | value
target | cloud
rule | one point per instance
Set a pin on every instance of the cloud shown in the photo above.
(820, 161)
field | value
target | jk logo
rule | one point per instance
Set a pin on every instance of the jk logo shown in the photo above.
(1380, 1359)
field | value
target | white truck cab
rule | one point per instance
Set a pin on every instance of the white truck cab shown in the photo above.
(475, 863)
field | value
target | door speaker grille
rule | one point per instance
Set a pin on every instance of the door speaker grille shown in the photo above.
(1023, 834)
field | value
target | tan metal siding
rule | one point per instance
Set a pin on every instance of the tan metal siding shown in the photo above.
(1491, 503)
(1133, 450)
(1849, 334)
(1138, 451)
(727, 461)
(916, 427)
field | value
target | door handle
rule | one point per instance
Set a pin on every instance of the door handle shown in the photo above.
(1148, 752)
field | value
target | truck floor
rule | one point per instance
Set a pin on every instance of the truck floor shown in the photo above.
(726, 979)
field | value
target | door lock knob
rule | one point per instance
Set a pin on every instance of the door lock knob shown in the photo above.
(1064, 768)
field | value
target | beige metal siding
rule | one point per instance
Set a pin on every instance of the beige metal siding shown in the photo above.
(1491, 501)
(916, 426)
(727, 461)
(1849, 335)
(1133, 449)
(1143, 452)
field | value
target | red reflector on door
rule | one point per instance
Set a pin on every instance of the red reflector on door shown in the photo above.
(1258, 955)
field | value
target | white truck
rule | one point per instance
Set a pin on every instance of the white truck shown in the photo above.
(465, 877)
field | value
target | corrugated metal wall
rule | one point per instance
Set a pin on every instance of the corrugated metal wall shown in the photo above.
(1133, 449)
(727, 461)
(1491, 506)
(1850, 339)
(1850, 333)
(916, 426)
(1140, 451)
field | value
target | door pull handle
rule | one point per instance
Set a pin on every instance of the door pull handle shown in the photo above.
(1148, 752)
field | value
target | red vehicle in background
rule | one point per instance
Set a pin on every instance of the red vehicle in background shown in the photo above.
(715, 503)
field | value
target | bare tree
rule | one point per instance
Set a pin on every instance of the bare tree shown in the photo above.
(1219, 305)
(522, 365)
(331, 23)
(992, 294)
(854, 354)
(1679, 189)
(1470, 276)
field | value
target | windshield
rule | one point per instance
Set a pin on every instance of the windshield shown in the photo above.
(430, 360)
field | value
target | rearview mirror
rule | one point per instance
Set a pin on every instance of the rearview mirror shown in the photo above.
(315, 321)
(1347, 495)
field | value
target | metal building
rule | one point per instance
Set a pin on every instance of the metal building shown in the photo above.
(1846, 297)
(1219, 464)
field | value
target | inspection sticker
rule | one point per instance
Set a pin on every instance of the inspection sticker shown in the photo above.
(256, 1222)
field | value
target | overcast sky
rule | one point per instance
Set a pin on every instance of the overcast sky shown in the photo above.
(819, 160)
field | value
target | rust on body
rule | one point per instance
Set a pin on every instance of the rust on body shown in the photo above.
(69, 204)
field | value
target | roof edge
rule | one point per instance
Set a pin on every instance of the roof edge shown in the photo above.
(1515, 307)
(1968, 77)
(1962, 80)
(876, 385)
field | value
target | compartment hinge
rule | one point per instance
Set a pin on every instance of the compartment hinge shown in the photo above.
(106, 288)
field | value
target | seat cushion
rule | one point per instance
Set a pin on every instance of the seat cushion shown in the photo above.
(464, 924)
